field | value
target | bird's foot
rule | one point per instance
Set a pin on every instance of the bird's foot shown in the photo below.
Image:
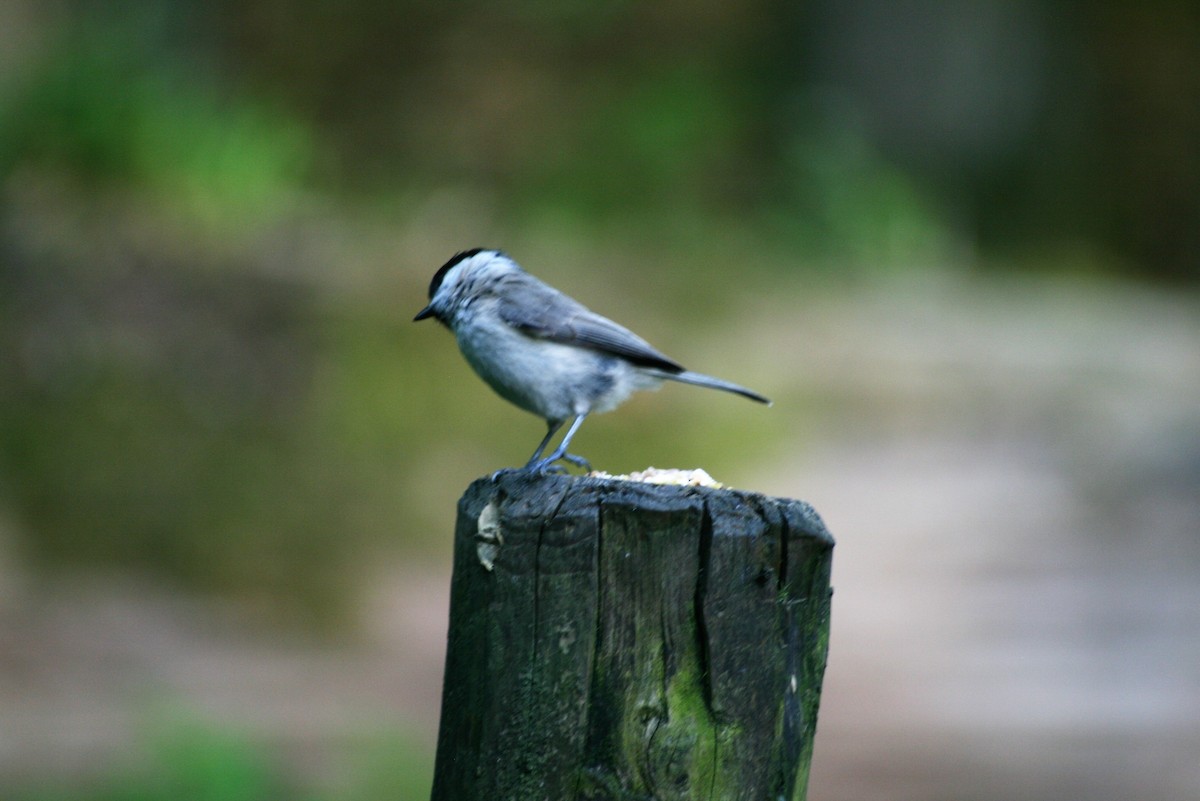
(578, 461)
(548, 465)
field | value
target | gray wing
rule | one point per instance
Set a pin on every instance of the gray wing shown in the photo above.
(540, 310)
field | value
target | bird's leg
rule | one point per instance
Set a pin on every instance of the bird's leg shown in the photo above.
(551, 427)
(539, 465)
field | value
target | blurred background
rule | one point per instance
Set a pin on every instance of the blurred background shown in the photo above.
(957, 243)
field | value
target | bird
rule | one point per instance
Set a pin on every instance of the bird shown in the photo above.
(544, 351)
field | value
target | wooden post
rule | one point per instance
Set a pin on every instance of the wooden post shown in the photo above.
(613, 639)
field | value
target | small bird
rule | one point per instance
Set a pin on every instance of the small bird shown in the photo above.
(546, 352)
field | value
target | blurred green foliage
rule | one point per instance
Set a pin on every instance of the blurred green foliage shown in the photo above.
(111, 103)
(192, 760)
(155, 419)
(217, 218)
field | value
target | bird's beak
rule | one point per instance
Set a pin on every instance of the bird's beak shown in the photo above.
(424, 313)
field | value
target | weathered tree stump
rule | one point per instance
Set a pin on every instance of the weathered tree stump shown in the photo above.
(621, 640)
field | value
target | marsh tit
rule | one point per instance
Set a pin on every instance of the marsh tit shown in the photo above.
(544, 351)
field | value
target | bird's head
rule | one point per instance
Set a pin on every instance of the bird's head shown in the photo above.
(467, 275)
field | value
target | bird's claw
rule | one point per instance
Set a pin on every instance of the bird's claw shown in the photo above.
(578, 461)
(547, 465)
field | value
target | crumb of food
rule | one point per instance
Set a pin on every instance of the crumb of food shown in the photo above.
(655, 475)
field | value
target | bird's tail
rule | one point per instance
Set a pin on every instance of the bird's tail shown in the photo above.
(701, 380)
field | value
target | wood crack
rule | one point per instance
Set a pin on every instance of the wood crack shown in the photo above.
(703, 654)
